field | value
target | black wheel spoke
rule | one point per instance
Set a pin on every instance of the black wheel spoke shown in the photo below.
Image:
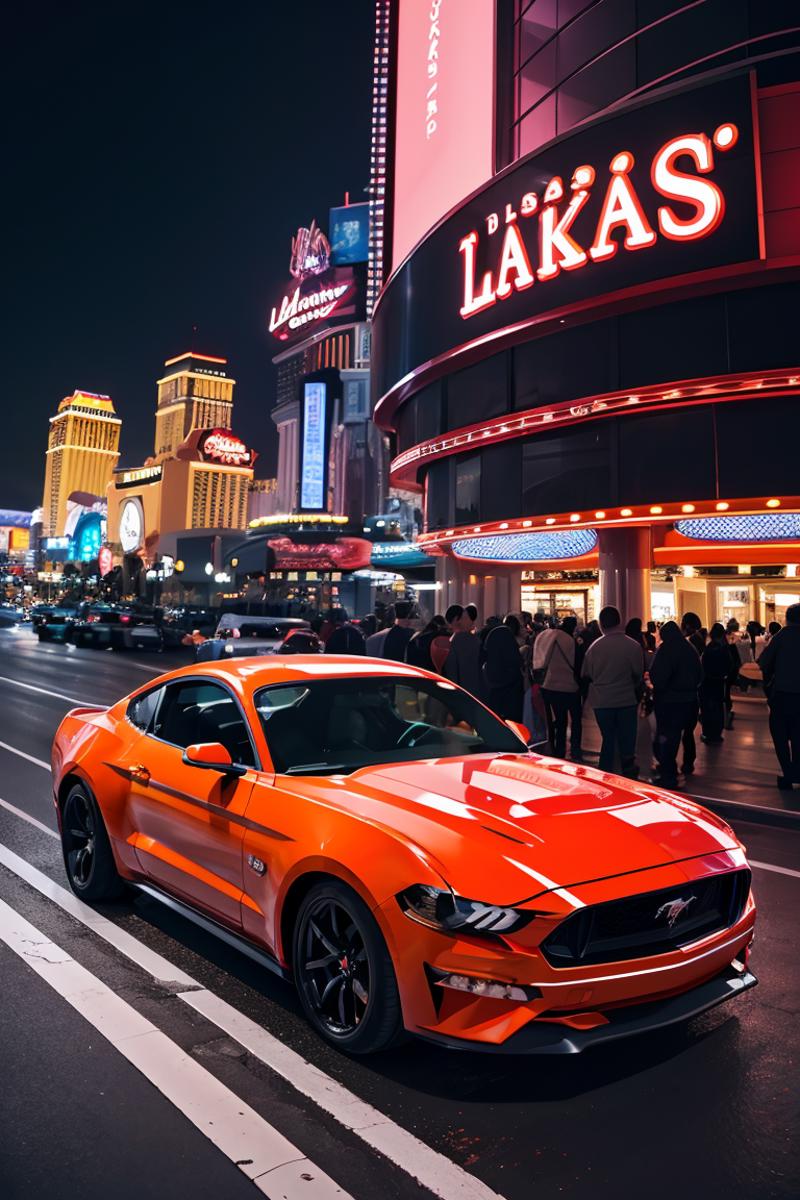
(335, 967)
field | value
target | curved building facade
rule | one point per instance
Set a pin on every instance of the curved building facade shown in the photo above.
(588, 360)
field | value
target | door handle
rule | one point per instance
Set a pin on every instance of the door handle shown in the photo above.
(139, 774)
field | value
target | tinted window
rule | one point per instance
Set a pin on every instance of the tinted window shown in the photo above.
(568, 470)
(437, 495)
(676, 341)
(572, 363)
(667, 456)
(194, 712)
(142, 708)
(500, 479)
(759, 438)
(478, 392)
(332, 725)
(468, 489)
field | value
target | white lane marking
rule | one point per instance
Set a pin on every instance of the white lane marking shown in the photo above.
(30, 687)
(12, 808)
(778, 870)
(264, 1155)
(433, 1170)
(428, 1167)
(119, 938)
(39, 762)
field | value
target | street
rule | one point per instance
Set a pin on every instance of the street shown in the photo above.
(142, 1056)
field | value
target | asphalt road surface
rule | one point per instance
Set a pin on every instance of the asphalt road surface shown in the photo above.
(142, 1057)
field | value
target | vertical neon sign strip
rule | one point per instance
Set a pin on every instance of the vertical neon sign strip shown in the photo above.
(312, 465)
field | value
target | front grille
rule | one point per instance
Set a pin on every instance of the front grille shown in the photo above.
(639, 925)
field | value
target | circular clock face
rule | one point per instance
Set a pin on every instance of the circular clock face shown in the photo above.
(131, 526)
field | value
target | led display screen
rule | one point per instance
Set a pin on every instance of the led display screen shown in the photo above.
(444, 101)
(349, 234)
(313, 465)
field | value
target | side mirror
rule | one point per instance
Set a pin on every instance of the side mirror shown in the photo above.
(212, 756)
(520, 730)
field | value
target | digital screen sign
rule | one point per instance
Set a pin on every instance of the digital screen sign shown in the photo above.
(349, 234)
(444, 105)
(313, 444)
(668, 188)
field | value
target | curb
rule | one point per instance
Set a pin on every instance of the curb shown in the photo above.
(758, 814)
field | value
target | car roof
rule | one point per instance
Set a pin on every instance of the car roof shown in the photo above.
(235, 620)
(258, 671)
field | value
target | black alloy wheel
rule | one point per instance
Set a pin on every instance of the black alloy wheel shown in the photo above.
(343, 971)
(88, 858)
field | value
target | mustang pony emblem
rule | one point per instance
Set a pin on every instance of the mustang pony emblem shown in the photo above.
(673, 909)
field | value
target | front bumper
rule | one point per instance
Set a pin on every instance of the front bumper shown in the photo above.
(550, 1037)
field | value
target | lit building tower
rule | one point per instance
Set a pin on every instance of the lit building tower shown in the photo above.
(82, 451)
(379, 148)
(195, 393)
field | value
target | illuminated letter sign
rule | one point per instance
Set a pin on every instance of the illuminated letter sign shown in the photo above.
(219, 445)
(668, 187)
(313, 467)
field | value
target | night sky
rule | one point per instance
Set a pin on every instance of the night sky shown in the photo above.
(157, 159)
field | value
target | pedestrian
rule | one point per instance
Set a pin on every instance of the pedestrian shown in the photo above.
(463, 665)
(392, 641)
(419, 651)
(692, 630)
(716, 664)
(345, 637)
(676, 675)
(773, 628)
(780, 669)
(560, 688)
(502, 673)
(613, 665)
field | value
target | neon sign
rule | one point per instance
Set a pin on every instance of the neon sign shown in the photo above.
(311, 252)
(298, 310)
(221, 446)
(622, 214)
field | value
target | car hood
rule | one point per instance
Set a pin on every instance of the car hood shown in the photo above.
(510, 827)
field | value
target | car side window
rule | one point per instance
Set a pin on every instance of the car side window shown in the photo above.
(141, 710)
(197, 711)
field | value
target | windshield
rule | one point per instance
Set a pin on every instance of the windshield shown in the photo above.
(327, 726)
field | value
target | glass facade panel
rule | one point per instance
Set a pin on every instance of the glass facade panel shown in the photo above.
(468, 489)
(537, 127)
(568, 470)
(537, 77)
(478, 392)
(666, 456)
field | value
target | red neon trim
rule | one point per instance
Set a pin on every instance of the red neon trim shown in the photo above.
(754, 94)
(686, 392)
(754, 273)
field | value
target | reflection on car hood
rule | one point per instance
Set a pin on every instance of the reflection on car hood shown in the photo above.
(509, 827)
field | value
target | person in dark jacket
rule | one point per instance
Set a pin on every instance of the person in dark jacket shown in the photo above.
(502, 673)
(716, 663)
(780, 668)
(692, 629)
(345, 638)
(392, 641)
(676, 675)
(418, 650)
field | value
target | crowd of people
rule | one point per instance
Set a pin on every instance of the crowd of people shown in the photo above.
(542, 672)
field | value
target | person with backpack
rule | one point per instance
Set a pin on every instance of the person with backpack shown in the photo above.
(556, 658)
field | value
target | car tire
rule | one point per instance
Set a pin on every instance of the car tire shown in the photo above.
(88, 858)
(350, 994)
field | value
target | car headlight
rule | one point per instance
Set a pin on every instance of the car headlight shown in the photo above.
(441, 909)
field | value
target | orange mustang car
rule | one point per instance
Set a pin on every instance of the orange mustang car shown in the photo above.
(378, 835)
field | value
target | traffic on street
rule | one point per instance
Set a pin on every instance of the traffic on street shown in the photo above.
(134, 1014)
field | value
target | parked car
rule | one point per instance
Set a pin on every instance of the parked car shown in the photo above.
(377, 835)
(238, 636)
(118, 627)
(53, 622)
(184, 619)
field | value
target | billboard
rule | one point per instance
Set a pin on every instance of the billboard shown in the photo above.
(313, 448)
(668, 188)
(444, 104)
(349, 234)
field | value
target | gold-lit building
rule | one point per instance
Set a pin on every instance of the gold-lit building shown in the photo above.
(82, 451)
(195, 393)
(201, 474)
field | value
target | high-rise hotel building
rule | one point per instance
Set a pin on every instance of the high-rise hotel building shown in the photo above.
(195, 393)
(82, 451)
(200, 475)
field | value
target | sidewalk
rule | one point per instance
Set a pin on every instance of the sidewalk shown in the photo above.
(736, 779)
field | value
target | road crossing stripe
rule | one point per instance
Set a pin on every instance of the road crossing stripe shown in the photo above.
(276, 1166)
(30, 687)
(431, 1169)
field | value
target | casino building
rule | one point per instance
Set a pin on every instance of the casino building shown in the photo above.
(198, 480)
(585, 345)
